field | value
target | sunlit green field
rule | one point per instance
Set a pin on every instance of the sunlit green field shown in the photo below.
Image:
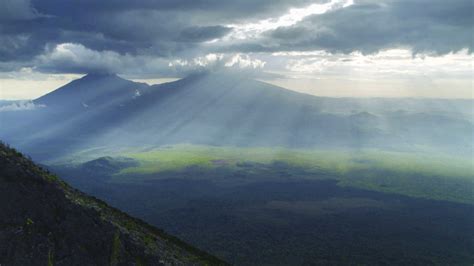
(431, 176)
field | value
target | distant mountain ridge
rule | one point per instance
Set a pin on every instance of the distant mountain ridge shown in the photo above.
(223, 109)
(46, 222)
(92, 90)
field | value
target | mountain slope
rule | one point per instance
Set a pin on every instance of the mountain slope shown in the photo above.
(70, 114)
(222, 109)
(44, 222)
(92, 90)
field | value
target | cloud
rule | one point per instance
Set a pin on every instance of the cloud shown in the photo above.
(17, 10)
(201, 34)
(160, 28)
(206, 10)
(218, 62)
(76, 58)
(435, 26)
(143, 36)
(20, 106)
(244, 61)
(394, 63)
(291, 17)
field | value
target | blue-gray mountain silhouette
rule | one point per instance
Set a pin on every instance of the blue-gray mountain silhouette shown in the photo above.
(228, 109)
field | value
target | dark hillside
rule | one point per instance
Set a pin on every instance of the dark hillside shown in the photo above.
(46, 222)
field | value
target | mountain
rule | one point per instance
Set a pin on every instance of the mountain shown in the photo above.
(109, 112)
(74, 105)
(46, 222)
(92, 91)
(71, 113)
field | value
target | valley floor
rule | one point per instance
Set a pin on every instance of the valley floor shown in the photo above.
(257, 206)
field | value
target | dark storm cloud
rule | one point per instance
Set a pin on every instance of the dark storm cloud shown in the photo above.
(13, 10)
(369, 26)
(222, 10)
(142, 27)
(137, 31)
(200, 34)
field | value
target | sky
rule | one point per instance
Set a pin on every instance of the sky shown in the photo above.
(337, 48)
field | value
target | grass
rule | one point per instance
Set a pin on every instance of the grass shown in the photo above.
(175, 158)
(50, 258)
(433, 176)
(179, 157)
